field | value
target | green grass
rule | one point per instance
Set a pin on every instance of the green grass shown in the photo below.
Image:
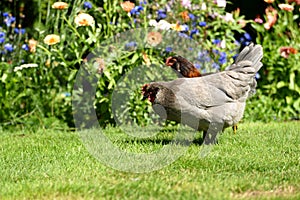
(262, 161)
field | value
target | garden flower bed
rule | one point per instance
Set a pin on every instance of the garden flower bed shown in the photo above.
(39, 64)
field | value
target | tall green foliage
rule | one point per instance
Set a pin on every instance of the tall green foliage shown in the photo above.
(280, 81)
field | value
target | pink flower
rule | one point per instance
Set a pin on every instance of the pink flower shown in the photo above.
(286, 7)
(186, 3)
(271, 17)
(242, 22)
(286, 51)
(296, 1)
(258, 19)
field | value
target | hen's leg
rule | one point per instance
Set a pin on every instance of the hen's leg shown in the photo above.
(234, 128)
(204, 135)
(210, 136)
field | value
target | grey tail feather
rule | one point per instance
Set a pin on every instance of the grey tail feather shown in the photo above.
(249, 61)
(253, 53)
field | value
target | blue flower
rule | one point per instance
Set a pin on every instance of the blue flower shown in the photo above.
(247, 36)
(143, 2)
(5, 14)
(87, 5)
(215, 51)
(185, 27)
(139, 8)
(246, 43)
(192, 17)
(216, 41)
(130, 44)
(9, 20)
(2, 39)
(202, 24)
(161, 14)
(25, 47)
(203, 56)
(2, 34)
(245, 39)
(168, 49)
(197, 65)
(193, 32)
(215, 66)
(21, 30)
(223, 58)
(235, 56)
(8, 47)
(183, 35)
(136, 10)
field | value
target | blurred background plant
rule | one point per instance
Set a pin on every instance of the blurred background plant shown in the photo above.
(278, 32)
(44, 43)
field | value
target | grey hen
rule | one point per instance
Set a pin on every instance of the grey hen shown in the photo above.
(210, 103)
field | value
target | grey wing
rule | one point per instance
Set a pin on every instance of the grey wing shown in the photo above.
(202, 92)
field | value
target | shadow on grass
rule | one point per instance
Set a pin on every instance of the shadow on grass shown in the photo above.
(165, 140)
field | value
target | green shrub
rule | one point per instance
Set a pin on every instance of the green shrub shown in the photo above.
(280, 74)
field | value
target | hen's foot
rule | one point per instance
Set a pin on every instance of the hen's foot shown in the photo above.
(234, 128)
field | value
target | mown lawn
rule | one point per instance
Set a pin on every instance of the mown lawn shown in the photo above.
(262, 161)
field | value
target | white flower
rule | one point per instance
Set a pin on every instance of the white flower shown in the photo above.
(152, 22)
(221, 3)
(228, 17)
(60, 5)
(223, 44)
(162, 24)
(286, 7)
(84, 19)
(52, 39)
(203, 6)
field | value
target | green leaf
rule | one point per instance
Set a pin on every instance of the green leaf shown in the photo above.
(292, 81)
(289, 100)
(280, 84)
(111, 84)
(4, 76)
(134, 58)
